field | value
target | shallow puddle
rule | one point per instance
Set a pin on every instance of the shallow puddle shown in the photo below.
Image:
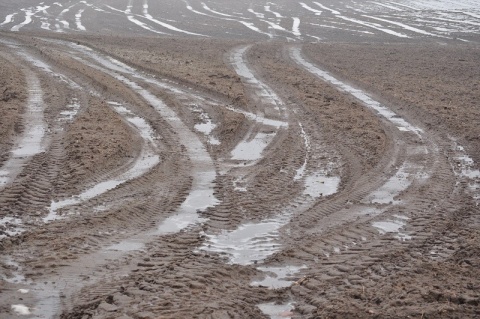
(319, 184)
(252, 147)
(71, 112)
(249, 243)
(277, 277)
(12, 227)
(401, 181)
(21, 310)
(127, 246)
(200, 198)
(252, 150)
(464, 167)
(393, 226)
(207, 129)
(301, 171)
(277, 311)
(16, 275)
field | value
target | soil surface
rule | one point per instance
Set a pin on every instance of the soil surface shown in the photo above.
(191, 159)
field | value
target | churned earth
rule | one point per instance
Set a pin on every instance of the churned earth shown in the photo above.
(193, 159)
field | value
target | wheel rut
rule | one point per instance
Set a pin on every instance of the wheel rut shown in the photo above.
(215, 206)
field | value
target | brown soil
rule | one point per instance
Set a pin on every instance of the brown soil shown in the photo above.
(438, 83)
(98, 140)
(340, 119)
(351, 269)
(12, 99)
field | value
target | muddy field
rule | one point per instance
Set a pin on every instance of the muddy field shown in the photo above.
(188, 159)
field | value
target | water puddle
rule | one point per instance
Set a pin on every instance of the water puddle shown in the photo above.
(252, 243)
(296, 27)
(202, 193)
(262, 90)
(10, 226)
(249, 243)
(387, 193)
(464, 168)
(71, 112)
(278, 277)
(16, 274)
(239, 184)
(252, 147)
(251, 150)
(320, 184)
(127, 246)
(258, 118)
(49, 303)
(301, 171)
(200, 198)
(163, 24)
(8, 18)
(78, 20)
(206, 127)
(466, 164)
(277, 311)
(394, 225)
(21, 310)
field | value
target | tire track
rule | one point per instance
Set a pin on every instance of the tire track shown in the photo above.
(257, 140)
(253, 242)
(43, 178)
(204, 174)
(146, 160)
(32, 141)
(338, 251)
(40, 156)
(202, 194)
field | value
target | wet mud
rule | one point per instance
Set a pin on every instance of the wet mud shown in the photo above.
(177, 172)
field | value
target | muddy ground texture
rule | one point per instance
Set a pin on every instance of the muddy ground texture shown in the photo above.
(349, 268)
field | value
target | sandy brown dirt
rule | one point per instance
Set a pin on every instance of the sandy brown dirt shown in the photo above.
(107, 256)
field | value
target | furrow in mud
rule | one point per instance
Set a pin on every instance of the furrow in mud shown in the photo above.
(65, 243)
(145, 161)
(203, 175)
(135, 242)
(366, 231)
(203, 169)
(32, 141)
(214, 178)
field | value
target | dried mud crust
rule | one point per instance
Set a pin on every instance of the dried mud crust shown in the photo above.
(13, 96)
(436, 84)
